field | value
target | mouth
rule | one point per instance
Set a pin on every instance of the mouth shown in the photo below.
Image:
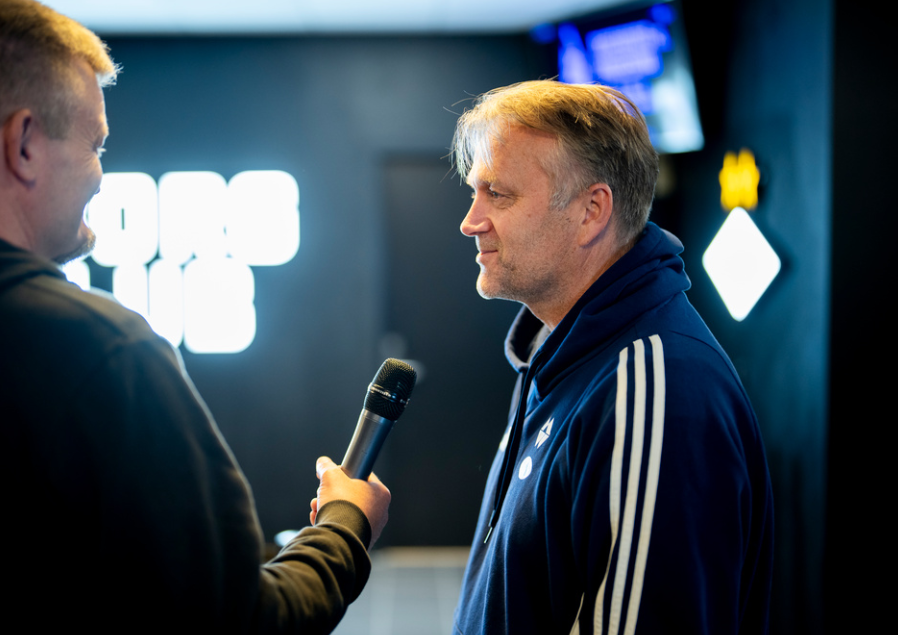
(486, 248)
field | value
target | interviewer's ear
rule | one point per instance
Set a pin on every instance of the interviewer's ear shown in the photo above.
(596, 218)
(20, 141)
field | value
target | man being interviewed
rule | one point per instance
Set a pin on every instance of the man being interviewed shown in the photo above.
(630, 492)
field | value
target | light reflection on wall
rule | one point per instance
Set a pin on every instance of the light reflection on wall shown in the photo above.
(181, 253)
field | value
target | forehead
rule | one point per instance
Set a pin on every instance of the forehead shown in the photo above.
(513, 153)
(88, 101)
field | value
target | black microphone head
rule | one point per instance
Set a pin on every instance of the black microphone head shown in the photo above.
(390, 389)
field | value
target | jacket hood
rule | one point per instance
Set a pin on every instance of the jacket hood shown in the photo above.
(643, 279)
(17, 264)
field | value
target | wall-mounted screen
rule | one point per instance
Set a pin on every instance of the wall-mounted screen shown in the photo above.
(643, 53)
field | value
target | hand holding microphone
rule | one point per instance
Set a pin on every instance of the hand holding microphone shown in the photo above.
(387, 397)
(371, 496)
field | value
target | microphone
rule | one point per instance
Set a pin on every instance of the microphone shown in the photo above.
(387, 397)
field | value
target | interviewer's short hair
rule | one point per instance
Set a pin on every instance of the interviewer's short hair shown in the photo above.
(602, 138)
(37, 48)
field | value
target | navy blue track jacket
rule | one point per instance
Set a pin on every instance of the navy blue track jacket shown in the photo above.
(638, 498)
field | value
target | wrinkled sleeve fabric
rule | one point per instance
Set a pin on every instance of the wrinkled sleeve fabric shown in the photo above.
(314, 578)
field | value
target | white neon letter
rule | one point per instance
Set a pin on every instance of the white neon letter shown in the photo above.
(263, 217)
(129, 286)
(219, 315)
(192, 216)
(166, 283)
(124, 216)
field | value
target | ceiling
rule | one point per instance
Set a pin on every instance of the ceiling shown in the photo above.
(209, 17)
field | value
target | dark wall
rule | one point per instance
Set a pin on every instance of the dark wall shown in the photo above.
(859, 551)
(337, 114)
(763, 71)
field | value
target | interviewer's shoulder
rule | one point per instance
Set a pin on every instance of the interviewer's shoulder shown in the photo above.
(65, 310)
(54, 332)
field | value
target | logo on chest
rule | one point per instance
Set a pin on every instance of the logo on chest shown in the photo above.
(544, 432)
(527, 464)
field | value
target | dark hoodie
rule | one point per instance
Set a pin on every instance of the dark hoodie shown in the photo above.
(124, 508)
(631, 492)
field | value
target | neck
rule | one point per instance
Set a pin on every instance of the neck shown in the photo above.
(14, 231)
(596, 262)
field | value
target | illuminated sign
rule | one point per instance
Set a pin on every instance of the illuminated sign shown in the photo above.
(181, 252)
(739, 181)
(741, 263)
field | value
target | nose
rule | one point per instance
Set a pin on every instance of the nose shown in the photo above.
(475, 222)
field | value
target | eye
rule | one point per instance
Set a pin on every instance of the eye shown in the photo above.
(488, 192)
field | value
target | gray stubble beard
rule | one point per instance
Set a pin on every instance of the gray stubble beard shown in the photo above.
(81, 251)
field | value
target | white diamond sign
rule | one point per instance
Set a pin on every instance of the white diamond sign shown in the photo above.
(741, 263)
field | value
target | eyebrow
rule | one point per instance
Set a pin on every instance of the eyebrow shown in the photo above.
(485, 176)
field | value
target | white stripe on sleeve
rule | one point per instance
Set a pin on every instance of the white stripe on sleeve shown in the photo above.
(622, 530)
(620, 433)
(575, 629)
(626, 534)
(651, 485)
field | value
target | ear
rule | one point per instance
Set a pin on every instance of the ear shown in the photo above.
(21, 141)
(598, 202)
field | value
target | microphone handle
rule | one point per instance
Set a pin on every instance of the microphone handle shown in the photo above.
(370, 433)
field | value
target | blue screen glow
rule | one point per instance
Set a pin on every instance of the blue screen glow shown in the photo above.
(642, 54)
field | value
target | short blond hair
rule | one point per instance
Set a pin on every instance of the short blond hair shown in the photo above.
(37, 49)
(601, 138)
